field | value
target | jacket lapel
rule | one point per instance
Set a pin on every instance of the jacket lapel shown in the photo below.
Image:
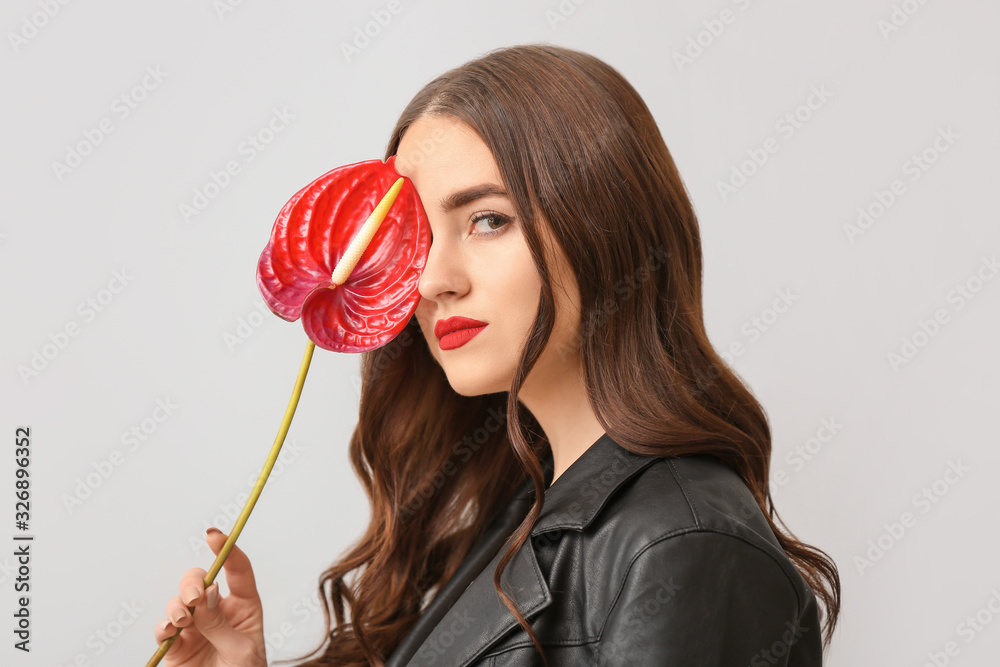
(484, 554)
(467, 616)
(479, 618)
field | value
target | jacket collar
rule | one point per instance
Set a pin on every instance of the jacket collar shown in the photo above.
(573, 500)
(467, 616)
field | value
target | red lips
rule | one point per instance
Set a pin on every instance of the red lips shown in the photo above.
(444, 327)
(456, 331)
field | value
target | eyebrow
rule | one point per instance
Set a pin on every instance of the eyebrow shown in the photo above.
(469, 195)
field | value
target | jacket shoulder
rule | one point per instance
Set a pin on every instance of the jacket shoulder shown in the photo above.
(685, 493)
(692, 495)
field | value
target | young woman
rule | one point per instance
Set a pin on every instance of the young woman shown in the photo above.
(562, 470)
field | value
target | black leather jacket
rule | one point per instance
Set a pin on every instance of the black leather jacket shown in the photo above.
(634, 560)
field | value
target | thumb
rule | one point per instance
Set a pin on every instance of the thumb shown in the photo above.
(213, 625)
(208, 617)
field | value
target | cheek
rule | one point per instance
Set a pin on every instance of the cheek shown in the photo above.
(423, 320)
(519, 291)
(427, 329)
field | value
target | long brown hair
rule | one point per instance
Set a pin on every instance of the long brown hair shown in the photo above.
(578, 150)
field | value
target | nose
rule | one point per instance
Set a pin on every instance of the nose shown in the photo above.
(444, 273)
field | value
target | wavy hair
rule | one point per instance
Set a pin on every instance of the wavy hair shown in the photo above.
(579, 151)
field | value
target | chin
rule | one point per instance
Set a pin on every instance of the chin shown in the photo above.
(468, 389)
(469, 385)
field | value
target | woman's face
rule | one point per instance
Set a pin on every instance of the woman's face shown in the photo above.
(479, 266)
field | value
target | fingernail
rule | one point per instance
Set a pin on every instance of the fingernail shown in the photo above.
(191, 593)
(213, 596)
(163, 625)
(176, 617)
(213, 529)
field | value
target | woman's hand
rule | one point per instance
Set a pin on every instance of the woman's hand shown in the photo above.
(223, 632)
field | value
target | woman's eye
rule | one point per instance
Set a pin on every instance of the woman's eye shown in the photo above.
(493, 223)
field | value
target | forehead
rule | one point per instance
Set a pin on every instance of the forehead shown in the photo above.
(438, 147)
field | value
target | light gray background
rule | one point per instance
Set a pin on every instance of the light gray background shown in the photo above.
(164, 336)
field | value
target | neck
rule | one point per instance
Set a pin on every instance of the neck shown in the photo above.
(562, 408)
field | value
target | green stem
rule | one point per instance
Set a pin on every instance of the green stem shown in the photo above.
(252, 500)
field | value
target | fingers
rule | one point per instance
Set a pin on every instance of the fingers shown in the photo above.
(205, 616)
(213, 625)
(192, 589)
(239, 573)
(192, 585)
(208, 620)
(164, 630)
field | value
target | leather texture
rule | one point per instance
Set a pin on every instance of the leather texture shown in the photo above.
(635, 560)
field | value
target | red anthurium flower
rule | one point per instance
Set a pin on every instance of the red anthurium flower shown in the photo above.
(375, 294)
(311, 234)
